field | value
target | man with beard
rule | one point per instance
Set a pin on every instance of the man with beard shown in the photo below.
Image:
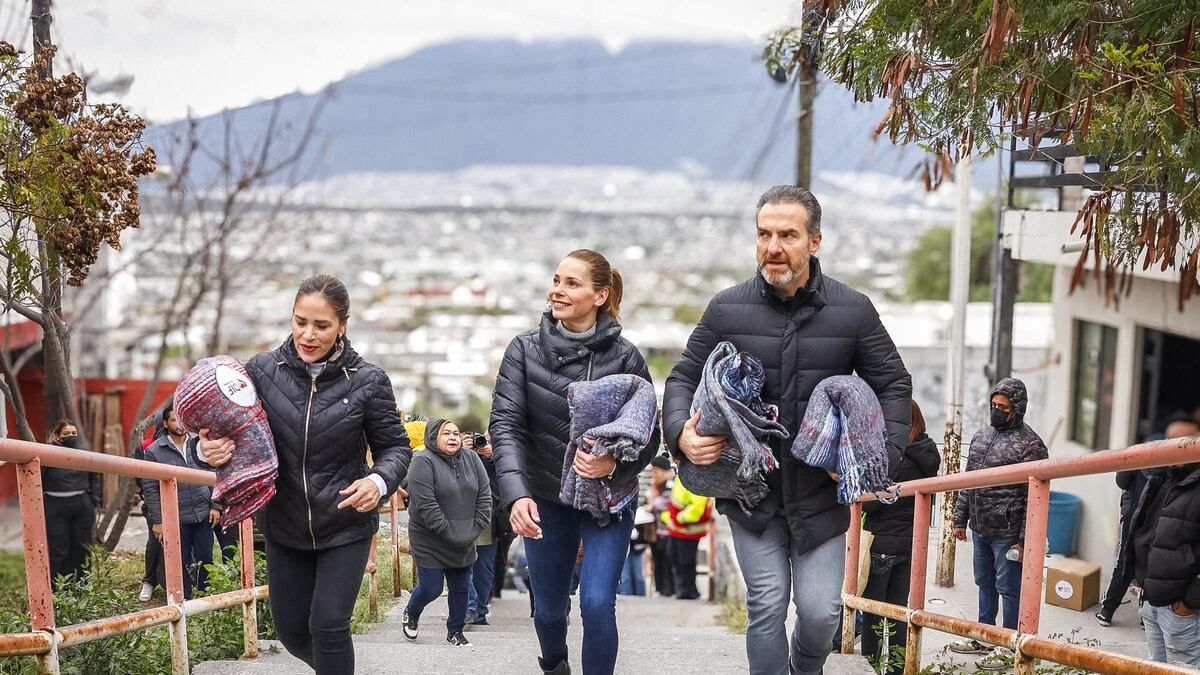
(804, 327)
(996, 516)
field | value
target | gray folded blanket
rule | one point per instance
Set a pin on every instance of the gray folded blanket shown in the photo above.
(844, 432)
(618, 412)
(729, 399)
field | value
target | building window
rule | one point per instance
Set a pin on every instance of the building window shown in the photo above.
(1092, 390)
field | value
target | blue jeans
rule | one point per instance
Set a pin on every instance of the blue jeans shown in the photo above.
(429, 588)
(551, 566)
(997, 577)
(773, 570)
(483, 573)
(1171, 638)
(633, 578)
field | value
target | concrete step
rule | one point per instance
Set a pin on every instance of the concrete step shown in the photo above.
(663, 635)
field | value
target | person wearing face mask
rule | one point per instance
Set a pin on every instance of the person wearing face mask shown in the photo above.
(579, 339)
(996, 515)
(71, 497)
(449, 505)
(326, 406)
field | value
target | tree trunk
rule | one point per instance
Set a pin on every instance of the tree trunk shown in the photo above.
(116, 512)
(39, 14)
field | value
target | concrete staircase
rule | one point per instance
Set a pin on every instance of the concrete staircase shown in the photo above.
(657, 635)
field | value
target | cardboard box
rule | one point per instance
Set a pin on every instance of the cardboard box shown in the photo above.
(1071, 583)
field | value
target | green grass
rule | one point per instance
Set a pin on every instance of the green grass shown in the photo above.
(12, 582)
(362, 618)
(734, 615)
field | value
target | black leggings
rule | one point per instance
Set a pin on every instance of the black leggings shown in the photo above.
(312, 598)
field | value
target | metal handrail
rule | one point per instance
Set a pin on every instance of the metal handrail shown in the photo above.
(45, 638)
(1024, 641)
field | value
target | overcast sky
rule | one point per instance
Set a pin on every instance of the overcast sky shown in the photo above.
(211, 54)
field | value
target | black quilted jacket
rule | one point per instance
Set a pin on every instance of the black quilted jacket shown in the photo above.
(1173, 565)
(322, 429)
(531, 423)
(826, 329)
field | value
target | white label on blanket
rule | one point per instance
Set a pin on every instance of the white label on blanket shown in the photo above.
(236, 387)
(1064, 589)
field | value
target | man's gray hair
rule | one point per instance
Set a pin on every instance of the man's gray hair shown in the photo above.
(793, 194)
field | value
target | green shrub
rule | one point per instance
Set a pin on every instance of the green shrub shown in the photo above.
(96, 595)
(218, 636)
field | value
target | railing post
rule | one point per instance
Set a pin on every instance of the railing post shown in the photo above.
(922, 503)
(172, 562)
(712, 561)
(372, 583)
(37, 560)
(853, 538)
(395, 547)
(249, 608)
(1033, 557)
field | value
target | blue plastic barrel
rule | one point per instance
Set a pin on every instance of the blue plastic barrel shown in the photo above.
(1063, 522)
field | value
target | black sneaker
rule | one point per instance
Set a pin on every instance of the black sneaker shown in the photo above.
(409, 628)
(478, 621)
(458, 640)
(1103, 620)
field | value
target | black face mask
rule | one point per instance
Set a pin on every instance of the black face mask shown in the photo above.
(1000, 418)
(70, 442)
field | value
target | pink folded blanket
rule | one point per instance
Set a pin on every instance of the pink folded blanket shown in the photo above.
(217, 394)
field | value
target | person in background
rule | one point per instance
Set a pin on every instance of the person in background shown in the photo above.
(633, 577)
(1132, 484)
(891, 550)
(483, 571)
(687, 522)
(661, 476)
(1165, 543)
(71, 497)
(450, 505)
(197, 511)
(996, 516)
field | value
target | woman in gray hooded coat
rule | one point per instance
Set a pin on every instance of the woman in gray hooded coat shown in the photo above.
(450, 503)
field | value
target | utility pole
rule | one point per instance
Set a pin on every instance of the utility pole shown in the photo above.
(815, 20)
(1005, 272)
(39, 14)
(804, 128)
(960, 276)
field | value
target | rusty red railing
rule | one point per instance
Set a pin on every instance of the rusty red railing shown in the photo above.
(45, 638)
(1024, 641)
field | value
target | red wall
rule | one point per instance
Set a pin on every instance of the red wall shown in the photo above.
(31, 380)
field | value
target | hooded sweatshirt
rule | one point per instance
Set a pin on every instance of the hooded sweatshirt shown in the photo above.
(1000, 511)
(450, 503)
(892, 524)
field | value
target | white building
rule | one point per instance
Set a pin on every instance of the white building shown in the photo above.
(1117, 372)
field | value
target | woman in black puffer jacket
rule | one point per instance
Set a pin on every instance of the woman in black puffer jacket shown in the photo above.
(579, 339)
(326, 407)
(891, 550)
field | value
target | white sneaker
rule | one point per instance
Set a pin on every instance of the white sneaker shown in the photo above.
(1000, 658)
(147, 592)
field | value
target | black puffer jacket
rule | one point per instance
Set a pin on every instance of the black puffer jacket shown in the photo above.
(55, 479)
(1173, 566)
(892, 524)
(322, 429)
(825, 329)
(1000, 511)
(531, 423)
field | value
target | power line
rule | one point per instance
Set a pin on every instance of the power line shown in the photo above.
(582, 97)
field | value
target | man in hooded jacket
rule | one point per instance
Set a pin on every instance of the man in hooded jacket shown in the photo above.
(996, 515)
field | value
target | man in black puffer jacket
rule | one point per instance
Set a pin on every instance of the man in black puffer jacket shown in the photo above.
(804, 327)
(1165, 546)
(996, 515)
